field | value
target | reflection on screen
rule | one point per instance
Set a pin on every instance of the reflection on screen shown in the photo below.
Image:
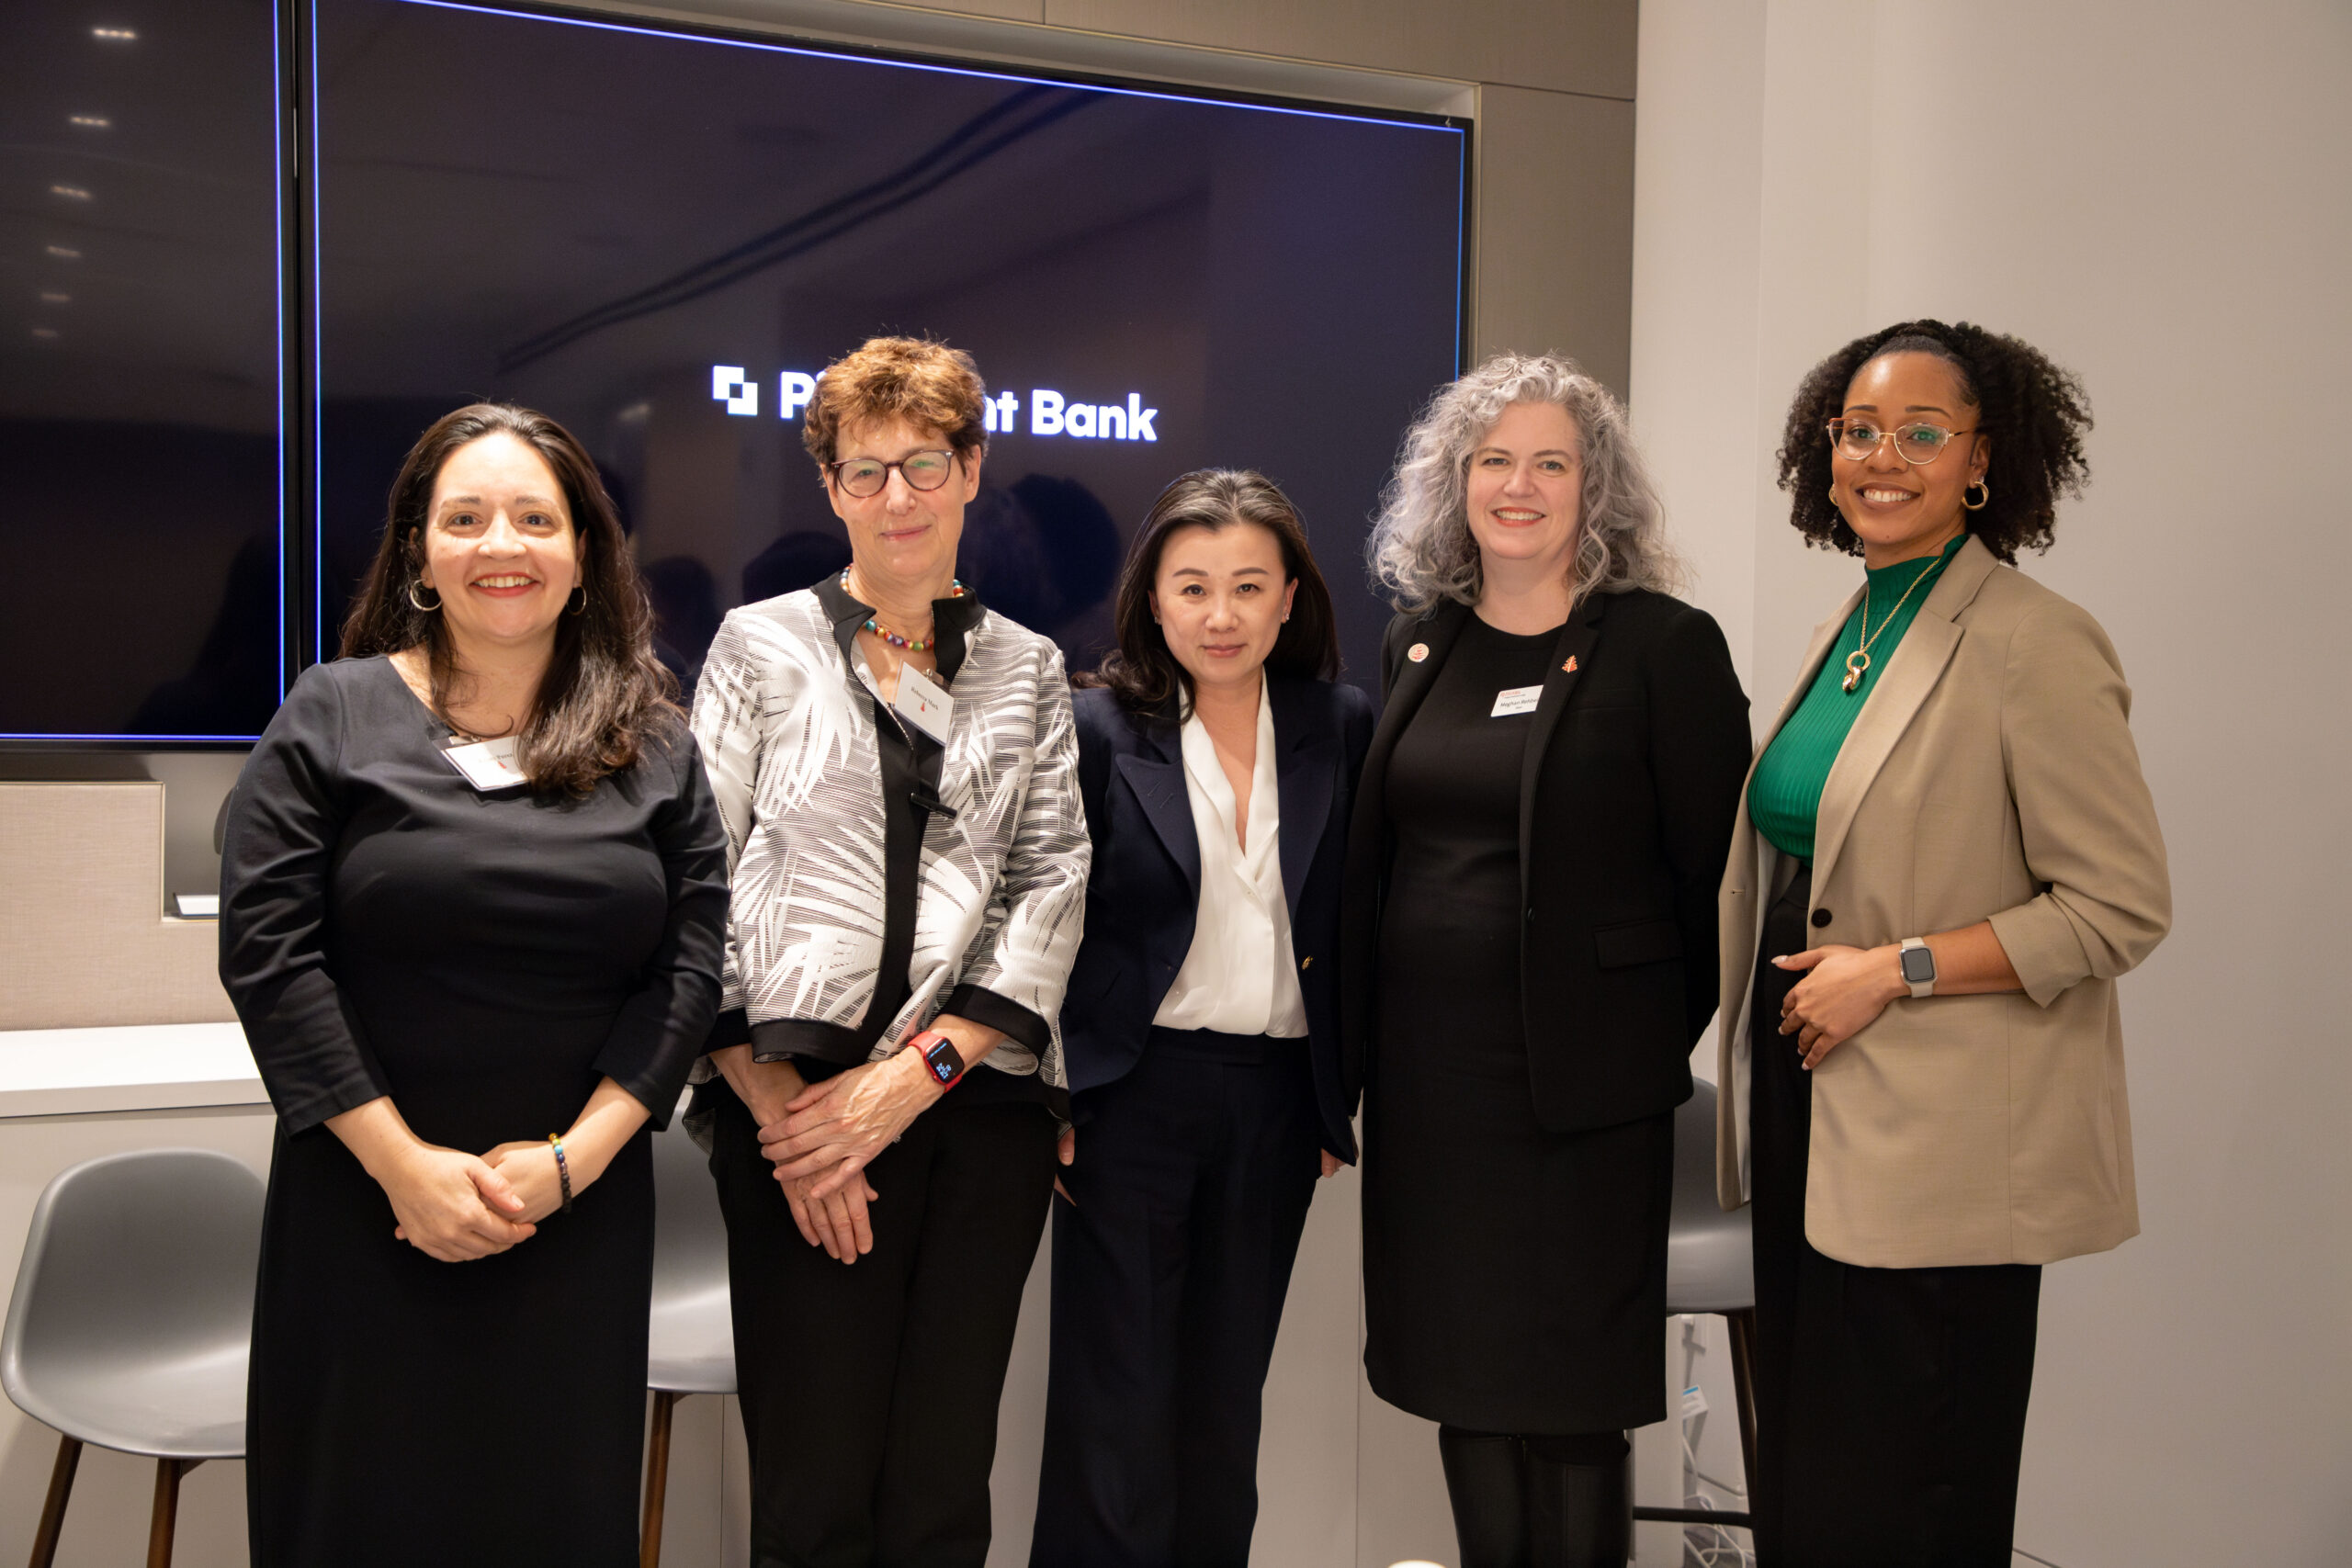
(139, 488)
(660, 239)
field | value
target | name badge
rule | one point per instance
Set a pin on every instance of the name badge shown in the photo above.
(921, 703)
(489, 766)
(1518, 700)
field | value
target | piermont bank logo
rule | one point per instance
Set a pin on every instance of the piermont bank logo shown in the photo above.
(1051, 411)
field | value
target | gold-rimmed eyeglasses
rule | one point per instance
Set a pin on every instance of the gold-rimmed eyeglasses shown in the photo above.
(861, 477)
(1919, 442)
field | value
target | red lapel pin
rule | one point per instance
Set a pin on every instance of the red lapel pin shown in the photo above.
(1571, 665)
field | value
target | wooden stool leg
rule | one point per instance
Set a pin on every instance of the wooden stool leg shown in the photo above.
(167, 1509)
(53, 1510)
(1742, 1381)
(657, 1478)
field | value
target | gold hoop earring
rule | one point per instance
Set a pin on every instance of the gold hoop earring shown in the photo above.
(421, 604)
(1984, 496)
(581, 608)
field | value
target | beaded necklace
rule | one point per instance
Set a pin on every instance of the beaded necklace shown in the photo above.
(912, 644)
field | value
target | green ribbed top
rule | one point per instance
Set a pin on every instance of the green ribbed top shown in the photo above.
(1785, 795)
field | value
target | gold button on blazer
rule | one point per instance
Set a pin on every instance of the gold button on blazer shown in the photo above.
(1991, 776)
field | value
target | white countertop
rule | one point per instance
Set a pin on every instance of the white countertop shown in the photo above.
(156, 1067)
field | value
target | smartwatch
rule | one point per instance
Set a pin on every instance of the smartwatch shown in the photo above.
(1918, 961)
(940, 1057)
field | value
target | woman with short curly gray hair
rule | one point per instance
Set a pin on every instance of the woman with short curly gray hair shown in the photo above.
(1530, 948)
(1421, 548)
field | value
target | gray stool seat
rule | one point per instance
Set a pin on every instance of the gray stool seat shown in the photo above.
(132, 1318)
(1710, 1259)
(1711, 1268)
(690, 1347)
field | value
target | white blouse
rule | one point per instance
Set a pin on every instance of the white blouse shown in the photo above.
(1240, 976)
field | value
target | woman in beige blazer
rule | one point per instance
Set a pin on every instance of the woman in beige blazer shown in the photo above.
(1946, 855)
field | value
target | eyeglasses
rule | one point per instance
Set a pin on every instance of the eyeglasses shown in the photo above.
(861, 477)
(1858, 439)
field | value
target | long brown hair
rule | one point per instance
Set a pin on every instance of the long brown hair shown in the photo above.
(604, 695)
(1142, 670)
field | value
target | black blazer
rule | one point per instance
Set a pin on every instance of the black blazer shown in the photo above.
(1142, 894)
(1627, 797)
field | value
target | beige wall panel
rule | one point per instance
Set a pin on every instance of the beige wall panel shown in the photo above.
(1571, 46)
(83, 938)
(1553, 245)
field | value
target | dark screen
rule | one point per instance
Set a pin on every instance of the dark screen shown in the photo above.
(140, 489)
(633, 230)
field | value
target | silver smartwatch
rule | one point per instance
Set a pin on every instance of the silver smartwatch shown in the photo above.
(1918, 962)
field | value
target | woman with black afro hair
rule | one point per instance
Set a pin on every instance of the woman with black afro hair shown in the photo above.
(1945, 856)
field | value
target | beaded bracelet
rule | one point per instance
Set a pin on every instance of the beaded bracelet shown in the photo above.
(562, 1171)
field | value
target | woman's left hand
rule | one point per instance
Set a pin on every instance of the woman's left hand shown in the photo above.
(838, 1126)
(1844, 990)
(529, 1169)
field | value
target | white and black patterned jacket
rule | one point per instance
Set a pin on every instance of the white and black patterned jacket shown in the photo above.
(879, 879)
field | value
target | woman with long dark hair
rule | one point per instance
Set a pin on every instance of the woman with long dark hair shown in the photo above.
(1218, 758)
(472, 901)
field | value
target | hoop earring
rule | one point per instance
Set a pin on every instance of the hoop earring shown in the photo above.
(421, 604)
(1983, 497)
(581, 608)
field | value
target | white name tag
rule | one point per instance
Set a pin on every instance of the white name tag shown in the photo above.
(1518, 700)
(488, 765)
(921, 703)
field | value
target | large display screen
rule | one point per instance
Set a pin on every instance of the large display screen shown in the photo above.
(140, 398)
(659, 238)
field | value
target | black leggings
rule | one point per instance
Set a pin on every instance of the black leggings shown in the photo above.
(1538, 1501)
(1890, 1403)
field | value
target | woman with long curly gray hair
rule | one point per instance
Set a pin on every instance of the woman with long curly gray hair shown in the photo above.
(1530, 951)
(1422, 546)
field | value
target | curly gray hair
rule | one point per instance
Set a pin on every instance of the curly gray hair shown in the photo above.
(1421, 549)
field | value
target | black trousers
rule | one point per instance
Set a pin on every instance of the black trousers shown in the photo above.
(1192, 1184)
(1890, 1403)
(870, 1389)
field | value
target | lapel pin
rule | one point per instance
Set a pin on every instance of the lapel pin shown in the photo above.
(1417, 652)
(1571, 665)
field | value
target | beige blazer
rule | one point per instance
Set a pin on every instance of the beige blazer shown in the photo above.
(1991, 775)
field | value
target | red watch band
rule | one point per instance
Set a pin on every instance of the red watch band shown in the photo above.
(940, 1057)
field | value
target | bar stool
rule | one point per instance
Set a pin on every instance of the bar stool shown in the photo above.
(691, 1348)
(1711, 1268)
(132, 1320)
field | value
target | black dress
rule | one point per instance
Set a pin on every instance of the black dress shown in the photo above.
(1514, 1279)
(484, 960)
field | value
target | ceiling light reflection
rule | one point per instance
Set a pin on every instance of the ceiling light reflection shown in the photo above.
(44, 332)
(63, 253)
(115, 34)
(51, 297)
(72, 193)
(90, 121)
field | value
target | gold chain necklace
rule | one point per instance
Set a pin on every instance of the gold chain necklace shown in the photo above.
(1858, 663)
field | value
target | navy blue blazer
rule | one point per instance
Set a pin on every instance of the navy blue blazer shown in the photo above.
(1143, 894)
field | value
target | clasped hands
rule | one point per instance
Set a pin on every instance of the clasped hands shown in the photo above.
(456, 1207)
(1843, 991)
(825, 1135)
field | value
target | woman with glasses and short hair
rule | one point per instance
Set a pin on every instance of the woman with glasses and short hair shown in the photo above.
(1218, 757)
(1946, 856)
(898, 771)
(1530, 940)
